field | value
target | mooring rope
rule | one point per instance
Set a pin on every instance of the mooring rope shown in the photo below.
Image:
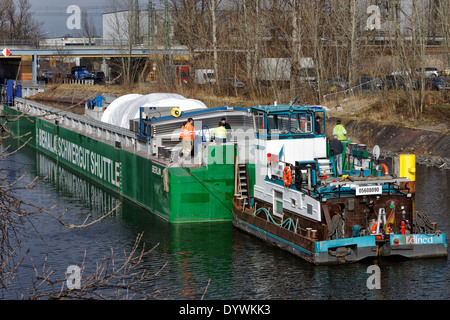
(422, 223)
(335, 231)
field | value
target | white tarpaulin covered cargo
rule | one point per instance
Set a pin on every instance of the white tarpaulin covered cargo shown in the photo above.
(127, 107)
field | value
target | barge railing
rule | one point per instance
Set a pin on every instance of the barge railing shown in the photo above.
(115, 135)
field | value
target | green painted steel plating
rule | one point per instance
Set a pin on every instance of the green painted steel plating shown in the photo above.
(198, 194)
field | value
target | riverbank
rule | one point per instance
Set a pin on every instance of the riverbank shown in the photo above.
(387, 125)
(384, 124)
(430, 147)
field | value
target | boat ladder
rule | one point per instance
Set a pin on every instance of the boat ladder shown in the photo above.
(243, 184)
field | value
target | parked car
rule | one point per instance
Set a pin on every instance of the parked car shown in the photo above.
(97, 76)
(234, 83)
(445, 72)
(370, 83)
(403, 73)
(439, 83)
(394, 82)
(429, 72)
(51, 76)
(79, 72)
(397, 82)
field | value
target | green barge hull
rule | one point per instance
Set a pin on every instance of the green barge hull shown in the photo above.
(177, 194)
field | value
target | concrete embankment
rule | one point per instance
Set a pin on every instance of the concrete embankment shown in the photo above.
(430, 147)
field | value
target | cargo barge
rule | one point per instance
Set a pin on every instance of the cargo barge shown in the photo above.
(273, 179)
(143, 165)
(303, 206)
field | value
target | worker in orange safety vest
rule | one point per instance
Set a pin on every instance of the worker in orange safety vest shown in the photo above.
(187, 135)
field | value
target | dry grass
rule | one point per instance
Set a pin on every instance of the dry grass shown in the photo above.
(392, 108)
(73, 93)
(339, 107)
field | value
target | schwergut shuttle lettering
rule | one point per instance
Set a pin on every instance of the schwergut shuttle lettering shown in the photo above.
(88, 160)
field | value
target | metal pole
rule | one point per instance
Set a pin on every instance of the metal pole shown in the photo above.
(167, 23)
(34, 67)
(136, 19)
(150, 22)
(337, 60)
(167, 27)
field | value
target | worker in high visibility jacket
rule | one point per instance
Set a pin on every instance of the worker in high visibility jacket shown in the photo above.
(219, 134)
(187, 135)
(340, 131)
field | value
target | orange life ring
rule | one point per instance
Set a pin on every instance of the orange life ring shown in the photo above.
(386, 172)
(287, 176)
(374, 228)
(374, 231)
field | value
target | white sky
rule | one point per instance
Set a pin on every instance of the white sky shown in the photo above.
(54, 14)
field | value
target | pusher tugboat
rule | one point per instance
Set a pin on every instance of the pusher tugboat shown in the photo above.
(300, 204)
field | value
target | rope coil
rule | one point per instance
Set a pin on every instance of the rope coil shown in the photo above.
(287, 224)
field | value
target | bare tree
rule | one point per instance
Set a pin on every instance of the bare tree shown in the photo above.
(17, 21)
(295, 43)
(419, 30)
(189, 26)
(110, 280)
(213, 4)
(88, 29)
(122, 278)
(442, 9)
(353, 53)
(252, 38)
(441, 24)
(314, 20)
(113, 278)
(122, 28)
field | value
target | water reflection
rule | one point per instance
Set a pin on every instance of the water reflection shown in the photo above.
(432, 187)
(70, 185)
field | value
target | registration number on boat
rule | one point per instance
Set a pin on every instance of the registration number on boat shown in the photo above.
(367, 190)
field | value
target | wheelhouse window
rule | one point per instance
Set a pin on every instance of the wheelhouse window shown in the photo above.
(319, 123)
(289, 125)
(258, 122)
(278, 124)
(302, 123)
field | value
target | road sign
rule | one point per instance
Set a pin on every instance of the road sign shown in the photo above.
(6, 52)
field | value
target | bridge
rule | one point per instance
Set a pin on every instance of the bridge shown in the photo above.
(22, 63)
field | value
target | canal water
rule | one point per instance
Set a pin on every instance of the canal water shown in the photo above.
(213, 261)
